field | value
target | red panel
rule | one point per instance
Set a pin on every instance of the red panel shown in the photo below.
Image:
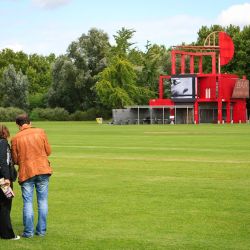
(239, 111)
(227, 83)
(226, 48)
(161, 102)
(204, 83)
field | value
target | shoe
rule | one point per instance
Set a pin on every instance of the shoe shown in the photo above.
(17, 237)
(26, 236)
(40, 235)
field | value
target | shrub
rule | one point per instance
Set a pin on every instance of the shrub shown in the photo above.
(37, 101)
(88, 115)
(79, 116)
(48, 114)
(10, 114)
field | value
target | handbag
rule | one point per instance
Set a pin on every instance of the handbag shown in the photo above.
(7, 190)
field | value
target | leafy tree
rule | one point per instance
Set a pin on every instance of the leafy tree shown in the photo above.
(85, 58)
(37, 68)
(63, 92)
(123, 46)
(39, 73)
(116, 86)
(19, 60)
(155, 63)
(15, 86)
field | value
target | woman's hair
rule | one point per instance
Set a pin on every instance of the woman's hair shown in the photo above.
(22, 119)
(4, 132)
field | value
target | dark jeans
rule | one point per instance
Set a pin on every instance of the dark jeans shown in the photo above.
(6, 231)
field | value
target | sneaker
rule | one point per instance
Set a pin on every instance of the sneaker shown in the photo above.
(26, 236)
(39, 235)
(17, 237)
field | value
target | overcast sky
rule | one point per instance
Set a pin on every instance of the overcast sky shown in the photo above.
(49, 26)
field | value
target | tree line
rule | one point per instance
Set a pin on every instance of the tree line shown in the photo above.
(94, 76)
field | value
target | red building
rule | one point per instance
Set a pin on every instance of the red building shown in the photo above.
(210, 97)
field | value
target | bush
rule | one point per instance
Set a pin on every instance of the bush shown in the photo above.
(37, 101)
(79, 116)
(9, 114)
(48, 114)
(88, 115)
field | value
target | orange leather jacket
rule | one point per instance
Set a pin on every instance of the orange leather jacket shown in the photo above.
(30, 150)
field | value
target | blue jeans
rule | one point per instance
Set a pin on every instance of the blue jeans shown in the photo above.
(41, 183)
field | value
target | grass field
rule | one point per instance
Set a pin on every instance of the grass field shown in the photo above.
(144, 187)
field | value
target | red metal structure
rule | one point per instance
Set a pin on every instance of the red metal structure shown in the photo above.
(222, 96)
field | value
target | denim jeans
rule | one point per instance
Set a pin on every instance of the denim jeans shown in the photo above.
(41, 183)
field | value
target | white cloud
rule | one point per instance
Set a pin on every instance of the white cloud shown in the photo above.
(166, 31)
(236, 15)
(50, 4)
(14, 46)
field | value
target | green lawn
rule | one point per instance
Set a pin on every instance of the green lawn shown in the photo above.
(144, 187)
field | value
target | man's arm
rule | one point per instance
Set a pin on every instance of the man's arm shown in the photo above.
(46, 145)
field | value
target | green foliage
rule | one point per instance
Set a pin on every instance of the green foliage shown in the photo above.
(63, 92)
(39, 73)
(119, 84)
(123, 46)
(10, 113)
(48, 114)
(37, 100)
(116, 87)
(15, 86)
(37, 68)
(60, 114)
(89, 115)
(19, 60)
(74, 75)
(155, 62)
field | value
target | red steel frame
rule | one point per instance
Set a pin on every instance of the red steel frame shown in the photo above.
(223, 82)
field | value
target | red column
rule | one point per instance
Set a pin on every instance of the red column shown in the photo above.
(214, 63)
(173, 61)
(161, 87)
(191, 64)
(182, 64)
(196, 112)
(200, 65)
(219, 98)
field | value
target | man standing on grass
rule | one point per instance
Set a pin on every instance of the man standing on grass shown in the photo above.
(30, 150)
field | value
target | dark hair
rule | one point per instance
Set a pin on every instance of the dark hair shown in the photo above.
(4, 132)
(22, 119)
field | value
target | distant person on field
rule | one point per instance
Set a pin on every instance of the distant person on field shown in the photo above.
(6, 231)
(30, 150)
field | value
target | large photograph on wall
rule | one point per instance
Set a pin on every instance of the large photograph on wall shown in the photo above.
(183, 87)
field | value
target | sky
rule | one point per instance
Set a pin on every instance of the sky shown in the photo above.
(49, 26)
